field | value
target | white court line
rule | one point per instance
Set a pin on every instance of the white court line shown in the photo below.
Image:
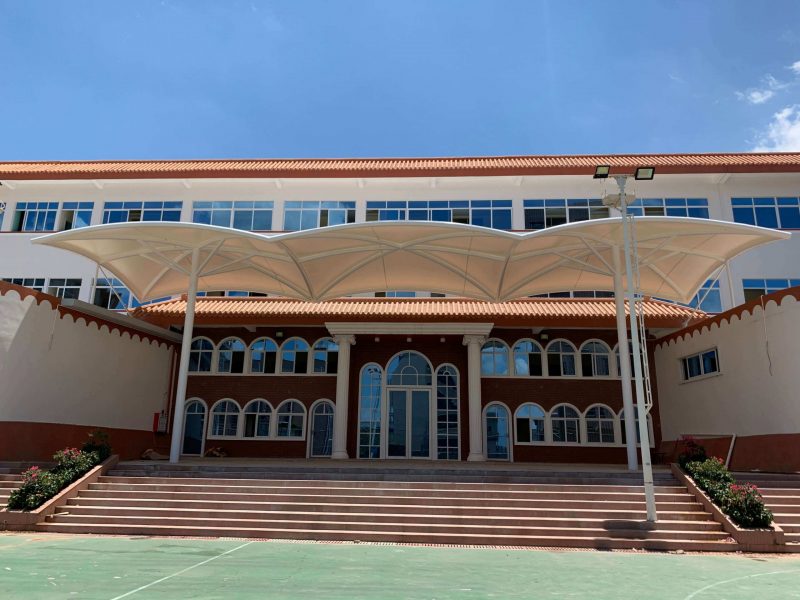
(708, 587)
(200, 564)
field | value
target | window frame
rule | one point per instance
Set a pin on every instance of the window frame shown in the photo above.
(312, 409)
(457, 410)
(219, 351)
(541, 353)
(593, 358)
(251, 350)
(485, 432)
(381, 386)
(270, 421)
(614, 425)
(684, 368)
(210, 433)
(213, 352)
(312, 359)
(294, 372)
(545, 425)
(575, 359)
(504, 345)
(579, 428)
(303, 427)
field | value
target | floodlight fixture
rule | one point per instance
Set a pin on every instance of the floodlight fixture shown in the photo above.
(602, 171)
(645, 173)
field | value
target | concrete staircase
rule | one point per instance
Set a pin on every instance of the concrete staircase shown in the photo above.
(392, 504)
(781, 494)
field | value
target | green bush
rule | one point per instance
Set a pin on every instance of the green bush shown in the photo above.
(38, 485)
(691, 451)
(98, 442)
(742, 503)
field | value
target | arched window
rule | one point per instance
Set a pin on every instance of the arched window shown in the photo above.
(560, 359)
(595, 359)
(527, 358)
(600, 425)
(530, 424)
(447, 413)
(291, 419)
(321, 429)
(494, 358)
(263, 356)
(257, 415)
(566, 424)
(638, 436)
(294, 356)
(326, 356)
(409, 368)
(231, 356)
(369, 412)
(225, 419)
(201, 355)
(496, 429)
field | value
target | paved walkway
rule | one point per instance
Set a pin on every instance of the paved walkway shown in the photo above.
(39, 566)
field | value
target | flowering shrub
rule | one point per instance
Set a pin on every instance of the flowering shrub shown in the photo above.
(39, 485)
(98, 442)
(691, 451)
(742, 503)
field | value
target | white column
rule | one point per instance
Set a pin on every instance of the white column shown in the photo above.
(183, 368)
(474, 343)
(624, 363)
(339, 449)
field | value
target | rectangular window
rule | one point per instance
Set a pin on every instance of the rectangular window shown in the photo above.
(702, 363)
(111, 294)
(64, 288)
(128, 212)
(577, 294)
(75, 215)
(755, 288)
(301, 215)
(35, 216)
(35, 283)
(540, 214)
(495, 214)
(777, 213)
(670, 207)
(239, 214)
(708, 299)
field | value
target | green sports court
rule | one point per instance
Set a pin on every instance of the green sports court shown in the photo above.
(39, 566)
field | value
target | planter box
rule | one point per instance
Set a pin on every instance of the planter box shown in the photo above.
(18, 520)
(749, 540)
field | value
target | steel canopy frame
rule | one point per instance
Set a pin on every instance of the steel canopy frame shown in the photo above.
(162, 259)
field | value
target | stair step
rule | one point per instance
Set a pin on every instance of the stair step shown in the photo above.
(373, 517)
(396, 536)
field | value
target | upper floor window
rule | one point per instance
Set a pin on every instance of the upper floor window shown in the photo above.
(294, 356)
(670, 207)
(300, 215)
(395, 294)
(577, 294)
(527, 358)
(708, 299)
(485, 213)
(561, 359)
(702, 363)
(126, 212)
(64, 288)
(231, 356)
(494, 358)
(75, 215)
(35, 216)
(595, 359)
(111, 294)
(263, 356)
(409, 368)
(35, 283)
(239, 214)
(755, 288)
(326, 356)
(540, 214)
(201, 354)
(229, 294)
(778, 213)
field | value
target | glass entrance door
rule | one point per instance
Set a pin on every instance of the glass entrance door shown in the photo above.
(409, 424)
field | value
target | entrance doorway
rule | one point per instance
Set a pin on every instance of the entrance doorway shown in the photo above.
(194, 426)
(409, 423)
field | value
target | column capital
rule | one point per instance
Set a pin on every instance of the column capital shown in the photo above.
(345, 339)
(478, 340)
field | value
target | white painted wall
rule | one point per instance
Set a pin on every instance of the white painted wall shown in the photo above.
(758, 389)
(56, 370)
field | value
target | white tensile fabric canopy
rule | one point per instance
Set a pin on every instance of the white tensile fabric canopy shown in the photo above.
(676, 255)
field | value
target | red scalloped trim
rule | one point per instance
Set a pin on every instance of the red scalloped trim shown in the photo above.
(55, 304)
(736, 311)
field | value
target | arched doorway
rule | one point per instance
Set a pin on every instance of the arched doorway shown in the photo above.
(194, 426)
(320, 442)
(497, 432)
(409, 406)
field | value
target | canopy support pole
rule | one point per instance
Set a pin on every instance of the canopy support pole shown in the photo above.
(647, 467)
(183, 367)
(624, 364)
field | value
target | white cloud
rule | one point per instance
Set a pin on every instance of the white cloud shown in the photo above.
(795, 66)
(783, 132)
(759, 95)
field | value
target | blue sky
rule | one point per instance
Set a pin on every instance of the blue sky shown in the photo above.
(302, 78)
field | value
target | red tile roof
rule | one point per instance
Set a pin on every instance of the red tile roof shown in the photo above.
(530, 312)
(774, 162)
